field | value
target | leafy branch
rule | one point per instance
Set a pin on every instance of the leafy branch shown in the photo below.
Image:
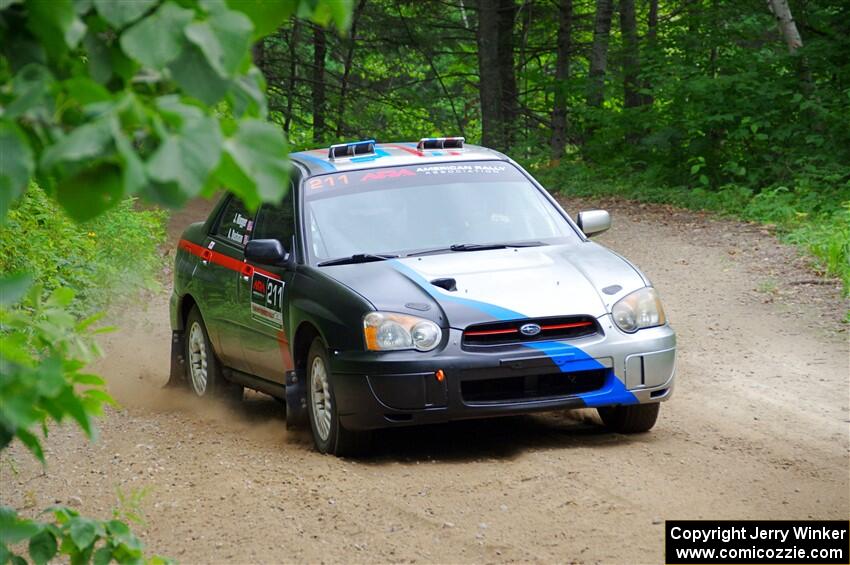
(43, 351)
(83, 540)
(101, 100)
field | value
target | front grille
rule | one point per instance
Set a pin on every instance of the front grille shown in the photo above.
(532, 387)
(501, 333)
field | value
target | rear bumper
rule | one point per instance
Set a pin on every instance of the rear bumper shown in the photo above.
(378, 390)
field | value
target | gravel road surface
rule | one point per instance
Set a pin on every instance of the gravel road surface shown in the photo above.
(757, 428)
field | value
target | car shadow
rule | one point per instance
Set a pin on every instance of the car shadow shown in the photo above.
(491, 438)
(459, 441)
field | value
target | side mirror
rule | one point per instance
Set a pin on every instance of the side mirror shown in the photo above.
(593, 222)
(266, 252)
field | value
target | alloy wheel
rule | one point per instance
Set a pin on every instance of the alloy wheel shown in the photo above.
(198, 359)
(321, 397)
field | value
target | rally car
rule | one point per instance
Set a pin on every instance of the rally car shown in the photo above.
(413, 283)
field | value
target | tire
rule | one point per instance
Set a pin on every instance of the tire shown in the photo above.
(329, 435)
(203, 369)
(634, 419)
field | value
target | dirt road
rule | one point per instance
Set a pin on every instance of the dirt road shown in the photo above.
(757, 428)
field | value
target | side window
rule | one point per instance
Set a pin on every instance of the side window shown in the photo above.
(235, 223)
(277, 221)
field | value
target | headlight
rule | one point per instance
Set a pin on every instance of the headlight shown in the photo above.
(640, 309)
(387, 331)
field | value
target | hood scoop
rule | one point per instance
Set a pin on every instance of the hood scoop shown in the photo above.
(613, 289)
(446, 284)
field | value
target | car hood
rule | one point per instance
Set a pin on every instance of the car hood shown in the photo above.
(501, 284)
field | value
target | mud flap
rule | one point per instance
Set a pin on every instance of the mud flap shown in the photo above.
(177, 376)
(296, 401)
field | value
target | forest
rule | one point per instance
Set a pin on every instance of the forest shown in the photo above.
(737, 106)
(114, 113)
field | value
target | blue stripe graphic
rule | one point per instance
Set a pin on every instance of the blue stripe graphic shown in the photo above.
(566, 357)
(490, 309)
(326, 165)
(569, 358)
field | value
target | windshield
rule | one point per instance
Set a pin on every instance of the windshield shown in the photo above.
(401, 210)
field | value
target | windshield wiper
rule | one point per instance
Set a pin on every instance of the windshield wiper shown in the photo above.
(476, 247)
(357, 258)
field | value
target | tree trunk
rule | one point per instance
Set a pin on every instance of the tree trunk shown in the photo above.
(631, 58)
(489, 85)
(562, 73)
(791, 35)
(521, 69)
(346, 68)
(599, 52)
(786, 24)
(258, 53)
(652, 22)
(652, 44)
(294, 36)
(319, 51)
(507, 76)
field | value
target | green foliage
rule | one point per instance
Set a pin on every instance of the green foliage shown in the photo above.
(15, 164)
(731, 105)
(99, 101)
(43, 352)
(107, 259)
(82, 540)
(829, 242)
(412, 75)
(103, 100)
(129, 505)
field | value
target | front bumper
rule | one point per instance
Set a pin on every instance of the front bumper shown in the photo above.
(378, 390)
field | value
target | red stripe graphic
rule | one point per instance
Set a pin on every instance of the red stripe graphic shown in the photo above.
(566, 326)
(542, 328)
(246, 270)
(408, 149)
(223, 260)
(419, 153)
(492, 332)
(285, 356)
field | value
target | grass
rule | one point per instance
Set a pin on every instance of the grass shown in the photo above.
(104, 261)
(817, 219)
(768, 286)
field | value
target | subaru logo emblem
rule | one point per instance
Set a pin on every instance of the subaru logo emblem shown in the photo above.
(529, 329)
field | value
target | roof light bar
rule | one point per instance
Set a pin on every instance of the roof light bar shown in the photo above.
(351, 149)
(440, 143)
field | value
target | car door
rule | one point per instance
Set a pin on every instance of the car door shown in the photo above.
(221, 268)
(263, 295)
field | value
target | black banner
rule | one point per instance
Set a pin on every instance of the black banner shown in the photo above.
(692, 542)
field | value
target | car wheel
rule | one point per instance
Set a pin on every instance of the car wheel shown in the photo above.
(633, 419)
(203, 370)
(329, 435)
